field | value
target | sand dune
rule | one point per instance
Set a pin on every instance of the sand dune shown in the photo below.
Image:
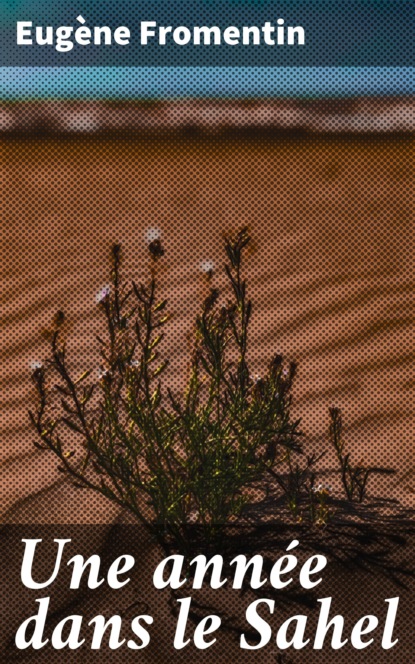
(332, 281)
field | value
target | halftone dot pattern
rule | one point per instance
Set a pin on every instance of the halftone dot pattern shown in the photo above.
(168, 83)
(302, 34)
(326, 188)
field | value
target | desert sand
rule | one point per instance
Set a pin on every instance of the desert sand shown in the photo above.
(332, 280)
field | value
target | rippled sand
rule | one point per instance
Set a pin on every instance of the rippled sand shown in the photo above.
(332, 282)
(332, 278)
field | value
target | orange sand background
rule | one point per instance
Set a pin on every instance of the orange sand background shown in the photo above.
(332, 281)
(332, 278)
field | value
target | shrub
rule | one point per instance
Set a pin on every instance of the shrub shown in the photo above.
(203, 456)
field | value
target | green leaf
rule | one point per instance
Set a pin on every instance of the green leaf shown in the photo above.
(160, 306)
(156, 341)
(82, 377)
(160, 368)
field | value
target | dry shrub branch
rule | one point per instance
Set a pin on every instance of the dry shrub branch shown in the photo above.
(200, 457)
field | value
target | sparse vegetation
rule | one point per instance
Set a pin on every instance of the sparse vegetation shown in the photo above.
(205, 456)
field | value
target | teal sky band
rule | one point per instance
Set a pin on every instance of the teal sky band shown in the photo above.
(377, 33)
(123, 83)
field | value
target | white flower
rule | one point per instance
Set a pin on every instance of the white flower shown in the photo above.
(103, 294)
(134, 363)
(322, 488)
(207, 266)
(256, 378)
(151, 234)
(102, 373)
(34, 366)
